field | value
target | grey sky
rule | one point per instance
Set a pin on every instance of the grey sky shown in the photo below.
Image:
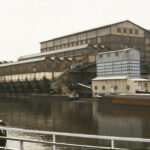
(25, 23)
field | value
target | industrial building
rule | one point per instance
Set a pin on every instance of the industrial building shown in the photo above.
(82, 50)
(119, 63)
(36, 68)
(116, 36)
(119, 85)
(118, 72)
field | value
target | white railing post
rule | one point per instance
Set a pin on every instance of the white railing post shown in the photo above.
(21, 145)
(6, 145)
(54, 140)
(112, 144)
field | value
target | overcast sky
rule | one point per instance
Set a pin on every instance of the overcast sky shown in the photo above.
(25, 23)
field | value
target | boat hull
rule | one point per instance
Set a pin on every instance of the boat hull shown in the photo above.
(130, 100)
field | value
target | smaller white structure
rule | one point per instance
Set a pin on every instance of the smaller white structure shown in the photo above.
(119, 85)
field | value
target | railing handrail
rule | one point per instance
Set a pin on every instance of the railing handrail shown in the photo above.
(115, 138)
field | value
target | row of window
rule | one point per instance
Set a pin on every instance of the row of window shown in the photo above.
(124, 41)
(119, 67)
(77, 37)
(119, 62)
(118, 70)
(128, 30)
(115, 87)
(75, 52)
(93, 41)
(112, 54)
(72, 44)
(34, 68)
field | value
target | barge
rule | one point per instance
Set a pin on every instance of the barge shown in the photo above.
(137, 100)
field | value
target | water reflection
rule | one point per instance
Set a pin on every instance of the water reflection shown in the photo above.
(92, 117)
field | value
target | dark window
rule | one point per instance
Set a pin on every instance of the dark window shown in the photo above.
(103, 87)
(130, 31)
(13, 69)
(121, 39)
(73, 52)
(115, 87)
(128, 87)
(48, 66)
(124, 30)
(116, 53)
(96, 87)
(41, 67)
(104, 39)
(114, 38)
(93, 40)
(81, 51)
(136, 31)
(29, 69)
(65, 54)
(76, 52)
(57, 67)
(146, 84)
(79, 42)
(118, 30)
(74, 44)
(100, 56)
(91, 51)
(67, 66)
(26, 68)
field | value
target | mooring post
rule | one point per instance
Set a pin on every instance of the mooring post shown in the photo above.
(21, 145)
(112, 144)
(54, 140)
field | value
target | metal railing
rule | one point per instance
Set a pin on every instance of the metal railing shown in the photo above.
(112, 139)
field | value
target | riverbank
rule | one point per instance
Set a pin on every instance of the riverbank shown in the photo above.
(139, 100)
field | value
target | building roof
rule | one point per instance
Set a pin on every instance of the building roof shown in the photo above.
(101, 27)
(23, 62)
(139, 79)
(120, 78)
(53, 52)
(123, 50)
(110, 78)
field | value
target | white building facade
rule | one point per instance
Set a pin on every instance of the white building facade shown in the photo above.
(119, 85)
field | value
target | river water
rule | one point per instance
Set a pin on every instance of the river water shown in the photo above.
(81, 116)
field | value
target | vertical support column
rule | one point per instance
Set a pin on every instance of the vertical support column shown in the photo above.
(112, 144)
(6, 145)
(83, 148)
(21, 145)
(54, 140)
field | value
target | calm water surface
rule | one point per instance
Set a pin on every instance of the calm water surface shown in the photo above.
(87, 117)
